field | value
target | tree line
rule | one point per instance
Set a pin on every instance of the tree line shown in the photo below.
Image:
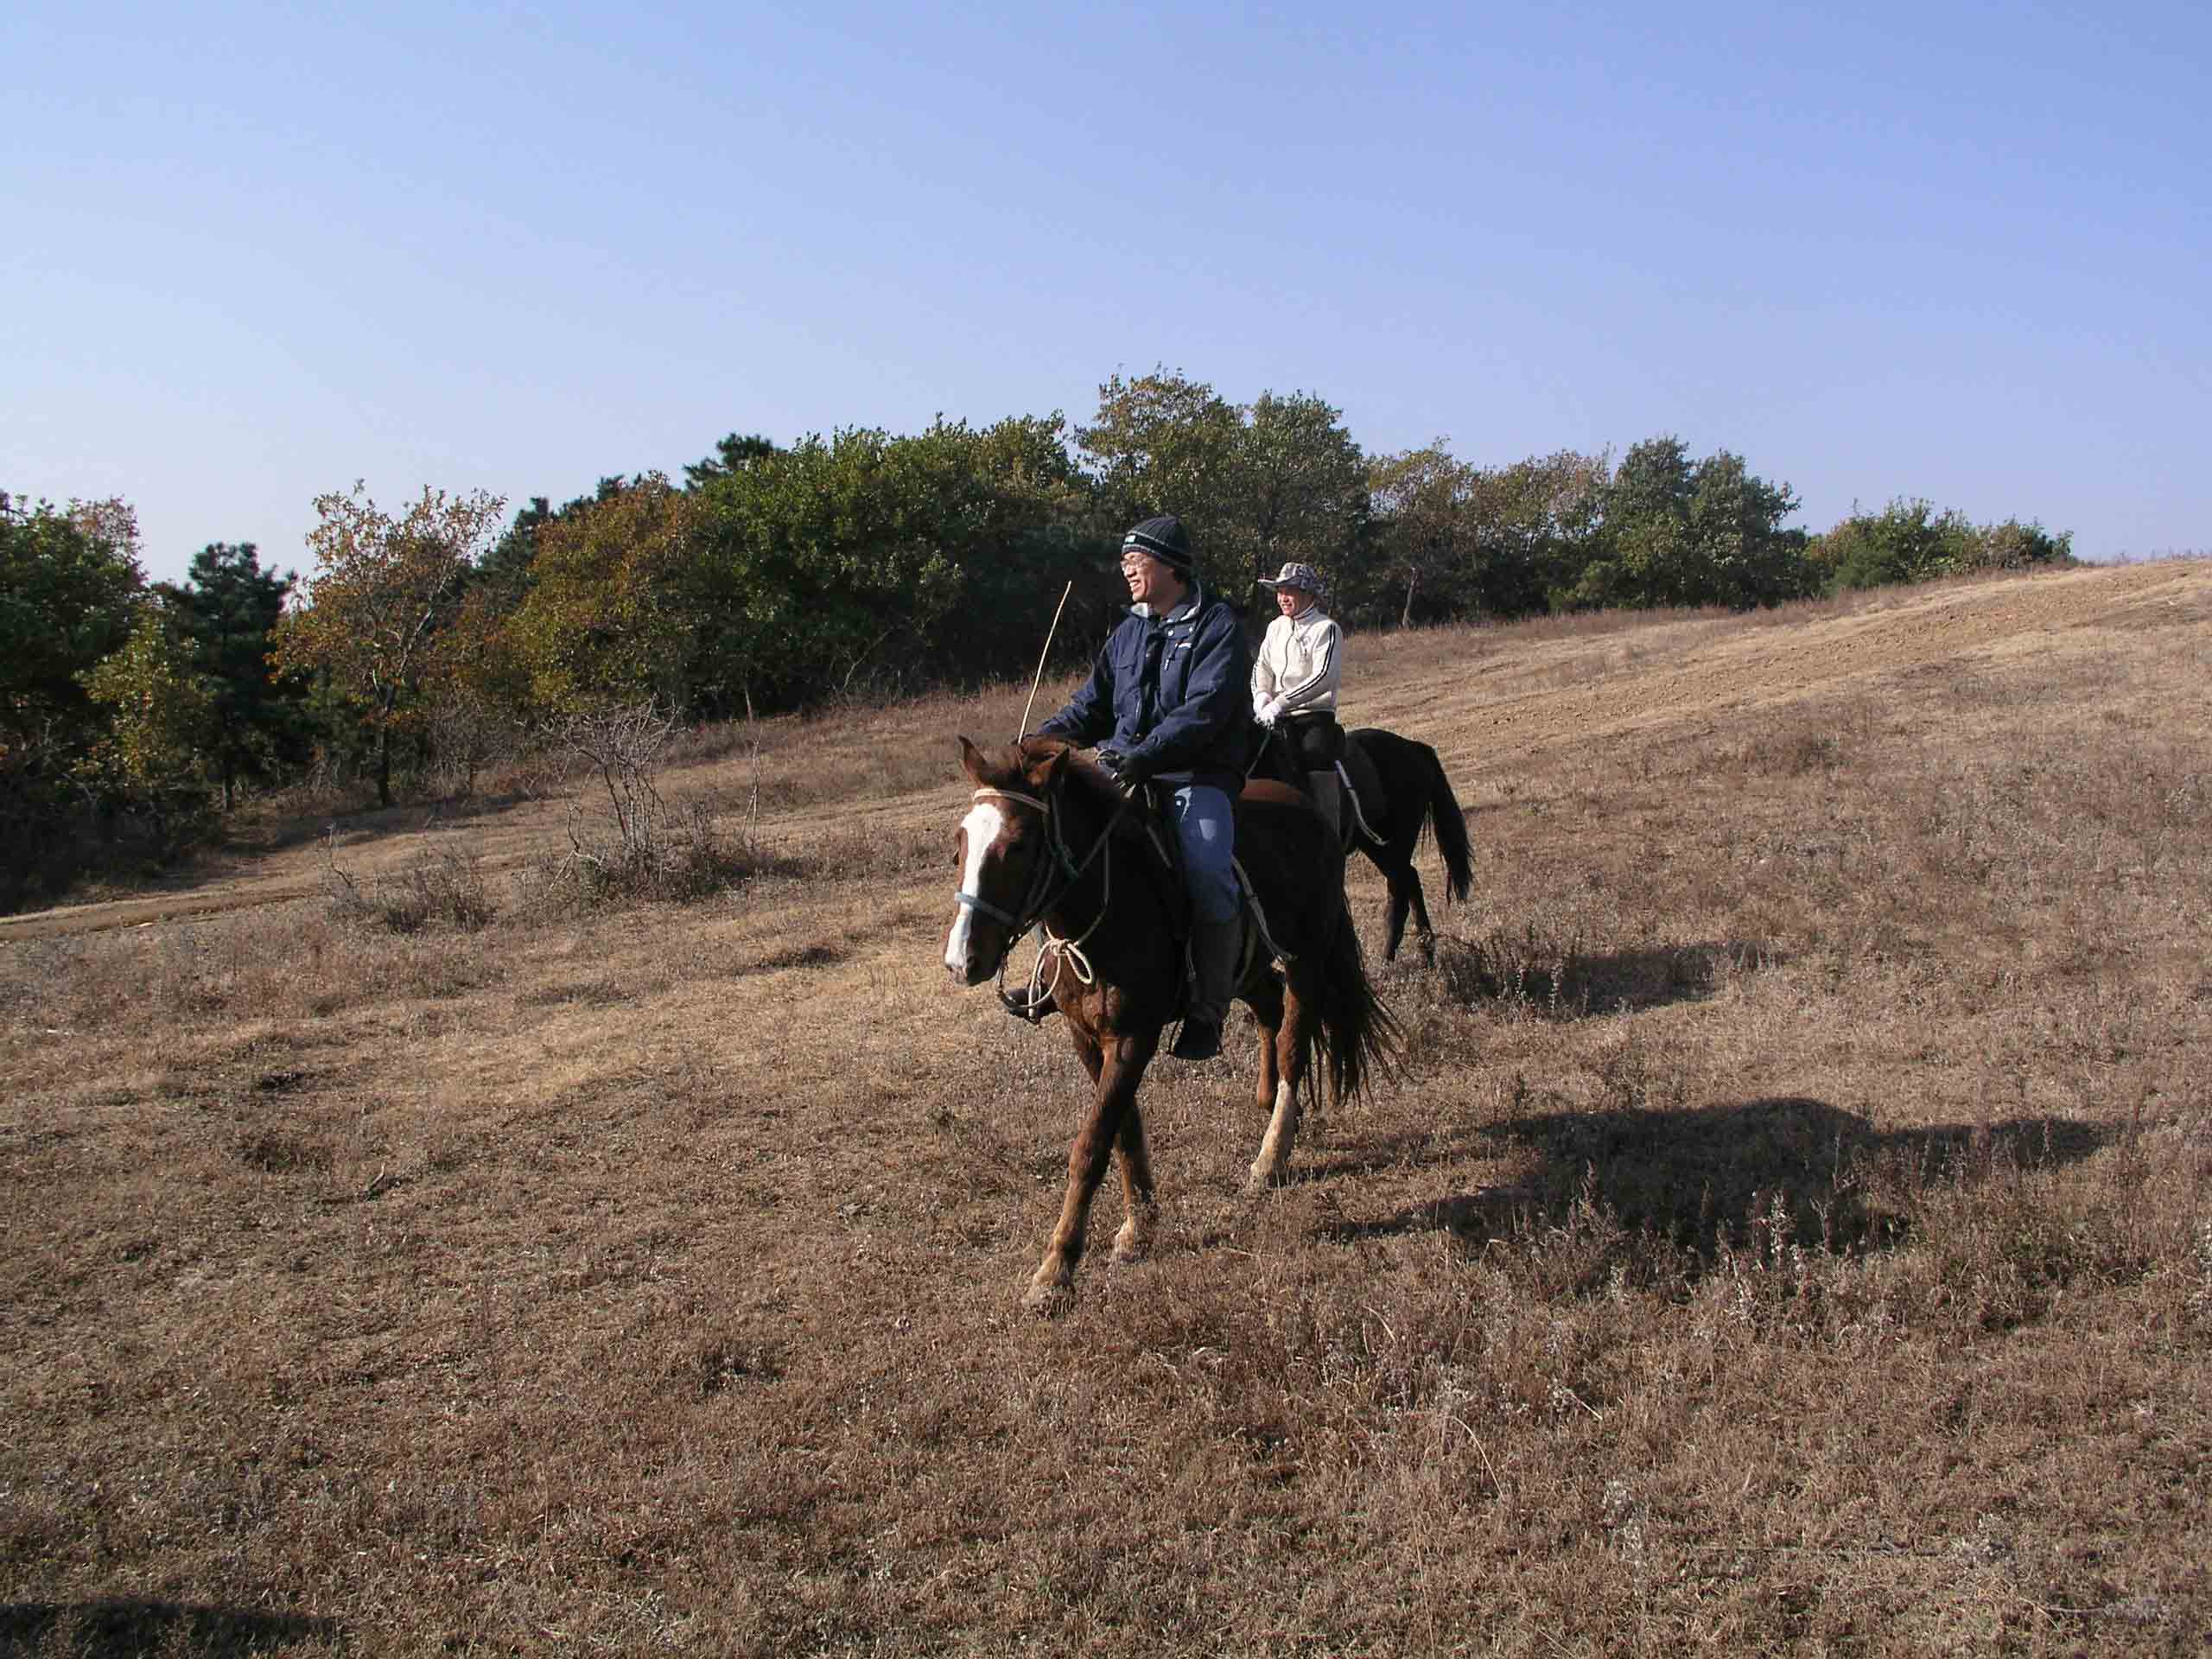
(855, 566)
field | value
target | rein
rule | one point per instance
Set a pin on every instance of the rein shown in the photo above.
(1040, 900)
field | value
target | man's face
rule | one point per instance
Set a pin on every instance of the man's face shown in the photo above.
(1151, 582)
(1291, 600)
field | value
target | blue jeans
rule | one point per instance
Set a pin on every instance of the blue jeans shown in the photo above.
(1207, 827)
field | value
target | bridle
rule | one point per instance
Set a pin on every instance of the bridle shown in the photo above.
(1039, 899)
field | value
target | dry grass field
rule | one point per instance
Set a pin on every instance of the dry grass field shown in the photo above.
(1788, 1231)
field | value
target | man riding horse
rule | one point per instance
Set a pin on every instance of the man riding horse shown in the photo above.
(1166, 701)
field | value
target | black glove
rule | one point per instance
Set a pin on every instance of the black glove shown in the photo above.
(1135, 772)
(1112, 760)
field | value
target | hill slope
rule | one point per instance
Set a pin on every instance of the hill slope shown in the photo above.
(1494, 704)
(1789, 1229)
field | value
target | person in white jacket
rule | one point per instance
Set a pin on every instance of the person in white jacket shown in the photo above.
(1294, 683)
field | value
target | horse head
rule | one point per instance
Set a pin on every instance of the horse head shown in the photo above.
(1005, 851)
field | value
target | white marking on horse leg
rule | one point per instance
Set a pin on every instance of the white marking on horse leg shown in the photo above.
(1272, 1167)
(982, 826)
(1133, 1241)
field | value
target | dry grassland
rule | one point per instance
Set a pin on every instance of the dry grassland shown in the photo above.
(1789, 1234)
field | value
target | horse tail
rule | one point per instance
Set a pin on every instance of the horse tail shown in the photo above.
(1449, 825)
(1358, 1034)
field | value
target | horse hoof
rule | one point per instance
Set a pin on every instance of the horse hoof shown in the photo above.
(1261, 1182)
(1128, 1252)
(1049, 1301)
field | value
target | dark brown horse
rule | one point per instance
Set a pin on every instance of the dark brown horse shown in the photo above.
(1398, 793)
(1049, 841)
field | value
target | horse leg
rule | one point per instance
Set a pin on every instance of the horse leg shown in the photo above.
(1422, 931)
(1114, 1094)
(1265, 1000)
(1272, 1168)
(1400, 900)
(1140, 1209)
(1395, 860)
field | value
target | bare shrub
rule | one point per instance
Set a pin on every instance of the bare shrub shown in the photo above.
(447, 889)
(468, 738)
(1534, 970)
(637, 845)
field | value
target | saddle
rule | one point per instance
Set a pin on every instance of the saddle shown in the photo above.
(1153, 816)
(1363, 785)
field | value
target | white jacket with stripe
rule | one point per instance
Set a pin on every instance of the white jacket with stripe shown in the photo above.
(1299, 662)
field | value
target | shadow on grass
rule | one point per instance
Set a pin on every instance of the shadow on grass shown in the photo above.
(104, 1628)
(1556, 979)
(1705, 1178)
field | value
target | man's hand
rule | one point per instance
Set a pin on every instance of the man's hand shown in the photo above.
(1266, 712)
(1134, 773)
(1112, 761)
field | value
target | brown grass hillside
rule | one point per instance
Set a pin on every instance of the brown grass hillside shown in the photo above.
(1789, 1234)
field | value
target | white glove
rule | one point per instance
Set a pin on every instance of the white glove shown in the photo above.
(1264, 711)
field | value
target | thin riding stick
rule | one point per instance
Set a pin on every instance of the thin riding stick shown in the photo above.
(1040, 678)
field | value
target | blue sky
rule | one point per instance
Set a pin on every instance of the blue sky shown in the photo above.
(254, 253)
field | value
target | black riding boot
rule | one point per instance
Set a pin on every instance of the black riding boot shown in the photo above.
(1328, 796)
(1213, 980)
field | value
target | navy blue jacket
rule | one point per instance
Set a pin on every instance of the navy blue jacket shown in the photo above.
(1174, 694)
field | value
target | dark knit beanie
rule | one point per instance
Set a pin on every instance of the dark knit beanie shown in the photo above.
(1165, 539)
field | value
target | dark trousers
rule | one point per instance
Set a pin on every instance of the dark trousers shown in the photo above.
(1315, 741)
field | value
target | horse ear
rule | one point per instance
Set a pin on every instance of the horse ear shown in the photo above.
(971, 760)
(1049, 773)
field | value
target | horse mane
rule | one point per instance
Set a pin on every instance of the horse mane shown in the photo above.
(1012, 767)
(1085, 785)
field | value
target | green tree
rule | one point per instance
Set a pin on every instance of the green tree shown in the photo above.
(1534, 520)
(70, 584)
(824, 568)
(150, 761)
(227, 609)
(1163, 443)
(1299, 484)
(857, 565)
(612, 618)
(1020, 524)
(1675, 531)
(383, 589)
(506, 572)
(2013, 545)
(1421, 553)
(733, 452)
(1909, 541)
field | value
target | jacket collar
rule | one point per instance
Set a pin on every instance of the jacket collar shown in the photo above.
(1192, 602)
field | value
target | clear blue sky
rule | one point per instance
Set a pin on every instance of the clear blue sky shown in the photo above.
(254, 252)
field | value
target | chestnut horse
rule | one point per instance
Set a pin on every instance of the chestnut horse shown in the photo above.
(1049, 839)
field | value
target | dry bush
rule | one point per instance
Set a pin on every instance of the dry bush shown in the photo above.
(635, 845)
(679, 855)
(447, 889)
